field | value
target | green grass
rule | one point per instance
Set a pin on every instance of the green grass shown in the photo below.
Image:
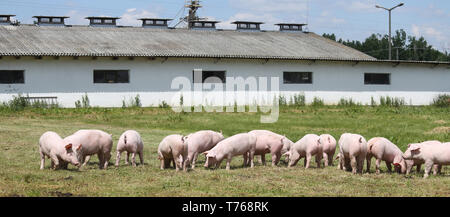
(19, 157)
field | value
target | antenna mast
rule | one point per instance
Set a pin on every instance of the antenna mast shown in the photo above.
(193, 6)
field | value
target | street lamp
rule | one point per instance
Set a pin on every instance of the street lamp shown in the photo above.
(390, 44)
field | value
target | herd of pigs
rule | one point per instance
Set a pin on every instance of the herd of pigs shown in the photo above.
(182, 151)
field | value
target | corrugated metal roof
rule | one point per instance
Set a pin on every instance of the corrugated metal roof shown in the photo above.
(29, 40)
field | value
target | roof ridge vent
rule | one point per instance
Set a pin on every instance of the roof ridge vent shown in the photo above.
(103, 21)
(158, 23)
(248, 26)
(203, 24)
(50, 20)
(291, 27)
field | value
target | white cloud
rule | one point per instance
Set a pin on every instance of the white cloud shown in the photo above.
(131, 16)
(435, 37)
(288, 6)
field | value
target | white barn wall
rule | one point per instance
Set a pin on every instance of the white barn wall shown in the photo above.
(69, 79)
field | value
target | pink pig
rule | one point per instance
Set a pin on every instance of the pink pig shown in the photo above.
(51, 145)
(329, 148)
(240, 144)
(174, 149)
(131, 142)
(383, 149)
(431, 153)
(200, 142)
(353, 150)
(270, 142)
(94, 142)
(306, 147)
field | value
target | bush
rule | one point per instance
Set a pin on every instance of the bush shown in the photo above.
(442, 100)
(391, 101)
(164, 104)
(317, 102)
(347, 103)
(299, 100)
(282, 101)
(84, 103)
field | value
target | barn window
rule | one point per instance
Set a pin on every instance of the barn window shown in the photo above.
(210, 74)
(297, 77)
(377, 78)
(12, 77)
(111, 76)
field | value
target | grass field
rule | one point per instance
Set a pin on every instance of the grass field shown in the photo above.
(19, 157)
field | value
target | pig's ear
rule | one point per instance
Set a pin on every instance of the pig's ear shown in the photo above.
(414, 147)
(287, 154)
(79, 147)
(221, 132)
(206, 153)
(69, 147)
(211, 155)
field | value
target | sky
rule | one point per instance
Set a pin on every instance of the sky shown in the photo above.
(348, 19)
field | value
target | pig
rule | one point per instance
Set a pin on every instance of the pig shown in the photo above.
(383, 149)
(94, 142)
(51, 145)
(200, 142)
(353, 150)
(270, 142)
(240, 144)
(173, 148)
(131, 142)
(437, 168)
(416, 162)
(306, 147)
(430, 152)
(328, 147)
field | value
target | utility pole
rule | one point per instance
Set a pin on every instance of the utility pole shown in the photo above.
(193, 6)
(390, 39)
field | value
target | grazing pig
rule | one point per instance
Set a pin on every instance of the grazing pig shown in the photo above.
(383, 149)
(94, 142)
(240, 144)
(174, 149)
(270, 142)
(131, 142)
(431, 153)
(51, 145)
(200, 142)
(329, 148)
(306, 147)
(353, 150)
(437, 168)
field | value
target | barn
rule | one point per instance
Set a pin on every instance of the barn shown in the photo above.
(50, 60)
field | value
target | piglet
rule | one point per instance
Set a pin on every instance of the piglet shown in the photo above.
(131, 142)
(383, 149)
(174, 149)
(240, 144)
(200, 142)
(307, 147)
(353, 150)
(94, 142)
(51, 145)
(431, 153)
(329, 148)
(270, 142)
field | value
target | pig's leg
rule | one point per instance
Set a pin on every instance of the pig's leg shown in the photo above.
(163, 164)
(263, 159)
(330, 160)
(368, 162)
(106, 158)
(86, 159)
(307, 160)
(194, 159)
(128, 158)
(353, 164)
(246, 156)
(101, 160)
(276, 158)
(252, 157)
(133, 159)
(418, 168)
(389, 166)
(228, 163)
(42, 159)
(118, 157)
(428, 167)
(377, 165)
(141, 157)
(55, 161)
(325, 159)
(318, 159)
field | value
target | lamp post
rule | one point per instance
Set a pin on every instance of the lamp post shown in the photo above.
(390, 40)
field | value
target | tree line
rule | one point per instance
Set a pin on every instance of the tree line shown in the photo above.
(404, 47)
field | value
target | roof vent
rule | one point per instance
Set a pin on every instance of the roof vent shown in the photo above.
(103, 21)
(290, 27)
(155, 23)
(5, 19)
(203, 24)
(50, 20)
(248, 26)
